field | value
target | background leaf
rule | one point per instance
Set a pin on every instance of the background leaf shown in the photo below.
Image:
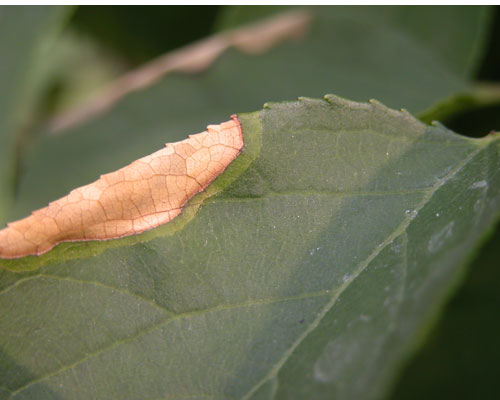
(141, 33)
(23, 31)
(454, 35)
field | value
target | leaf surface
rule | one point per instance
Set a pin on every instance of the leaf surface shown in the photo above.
(331, 241)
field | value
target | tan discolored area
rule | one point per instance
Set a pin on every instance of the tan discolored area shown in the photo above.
(143, 195)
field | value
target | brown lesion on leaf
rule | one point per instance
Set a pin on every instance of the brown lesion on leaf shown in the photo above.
(143, 195)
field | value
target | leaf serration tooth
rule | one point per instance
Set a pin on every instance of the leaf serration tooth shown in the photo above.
(340, 102)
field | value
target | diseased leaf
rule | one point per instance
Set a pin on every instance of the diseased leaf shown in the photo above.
(147, 193)
(333, 239)
(196, 57)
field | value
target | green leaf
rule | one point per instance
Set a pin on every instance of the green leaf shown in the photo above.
(141, 33)
(481, 95)
(330, 244)
(23, 32)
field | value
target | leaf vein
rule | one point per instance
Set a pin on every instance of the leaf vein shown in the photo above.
(189, 314)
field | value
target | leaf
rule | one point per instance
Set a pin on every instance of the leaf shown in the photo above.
(346, 53)
(254, 38)
(309, 276)
(139, 34)
(23, 31)
(481, 95)
(455, 35)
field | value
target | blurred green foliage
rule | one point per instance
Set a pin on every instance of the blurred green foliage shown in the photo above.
(138, 33)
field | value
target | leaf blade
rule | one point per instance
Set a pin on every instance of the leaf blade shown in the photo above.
(248, 291)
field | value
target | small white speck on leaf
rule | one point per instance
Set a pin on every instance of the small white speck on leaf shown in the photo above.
(411, 213)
